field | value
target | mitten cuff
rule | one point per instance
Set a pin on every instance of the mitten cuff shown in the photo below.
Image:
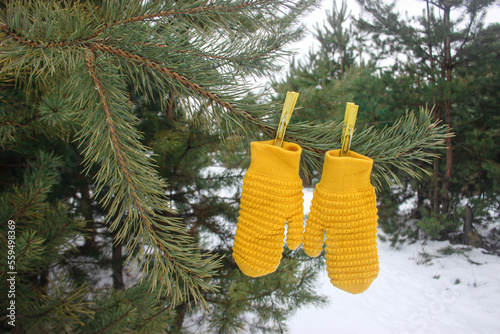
(346, 174)
(275, 162)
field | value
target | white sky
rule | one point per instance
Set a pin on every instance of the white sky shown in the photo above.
(411, 7)
(318, 16)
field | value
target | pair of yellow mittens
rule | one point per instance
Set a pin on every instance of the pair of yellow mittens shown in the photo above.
(344, 205)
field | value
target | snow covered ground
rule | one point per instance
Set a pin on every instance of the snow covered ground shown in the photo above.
(418, 290)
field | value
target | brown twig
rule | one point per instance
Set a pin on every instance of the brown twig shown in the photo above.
(103, 330)
(117, 144)
(15, 36)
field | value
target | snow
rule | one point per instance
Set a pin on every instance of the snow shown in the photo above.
(418, 290)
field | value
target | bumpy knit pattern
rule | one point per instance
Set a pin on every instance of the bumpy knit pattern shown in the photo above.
(272, 195)
(344, 205)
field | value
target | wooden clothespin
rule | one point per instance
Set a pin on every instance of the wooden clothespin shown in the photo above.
(351, 112)
(286, 114)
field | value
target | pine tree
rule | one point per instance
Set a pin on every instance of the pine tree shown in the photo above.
(84, 163)
(476, 171)
(434, 55)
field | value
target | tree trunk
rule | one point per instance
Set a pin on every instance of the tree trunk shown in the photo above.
(90, 245)
(437, 115)
(435, 186)
(342, 64)
(170, 105)
(448, 66)
(179, 318)
(117, 261)
(468, 237)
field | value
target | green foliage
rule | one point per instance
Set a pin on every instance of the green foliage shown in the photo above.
(42, 226)
(102, 247)
(409, 141)
(444, 63)
(130, 310)
(206, 178)
(269, 299)
(434, 224)
(82, 58)
(66, 300)
(406, 145)
(449, 250)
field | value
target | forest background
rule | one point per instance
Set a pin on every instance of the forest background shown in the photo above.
(79, 272)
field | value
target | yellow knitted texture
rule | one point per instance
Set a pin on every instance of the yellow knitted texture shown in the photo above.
(344, 205)
(272, 195)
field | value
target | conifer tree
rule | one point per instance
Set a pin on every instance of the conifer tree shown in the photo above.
(435, 55)
(84, 164)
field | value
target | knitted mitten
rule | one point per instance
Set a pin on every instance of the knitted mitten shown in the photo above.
(272, 194)
(344, 204)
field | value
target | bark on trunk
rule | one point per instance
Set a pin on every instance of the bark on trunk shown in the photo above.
(90, 245)
(179, 318)
(468, 236)
(170, 105)
(117, 260)
(448, 66)
(435, 186)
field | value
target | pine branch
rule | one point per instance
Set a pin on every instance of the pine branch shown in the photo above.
(117, 143)
(134, 309)
(55, 44)
(223, 8)
(105, 329)
(31, 248)
(27, 202)
(166, 71)
(66, 300)
(405, 145)
(232, 56)
(184, 81)
(42, 227)
(141, 196)
(148, 320)
(176, 76)
(175, 12)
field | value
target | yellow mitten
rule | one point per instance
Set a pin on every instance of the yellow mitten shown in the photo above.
(272, 194)
(345, 205)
